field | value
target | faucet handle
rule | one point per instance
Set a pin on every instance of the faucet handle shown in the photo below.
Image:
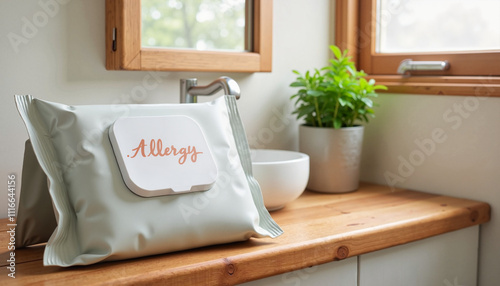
(190, 90)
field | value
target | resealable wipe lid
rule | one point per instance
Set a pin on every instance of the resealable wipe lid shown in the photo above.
(162, 155)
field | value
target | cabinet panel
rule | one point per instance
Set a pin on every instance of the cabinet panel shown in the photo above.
(341, 273)
(449, 259)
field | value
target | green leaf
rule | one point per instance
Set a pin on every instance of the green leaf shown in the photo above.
(297, 84)
(383, 87)
(351, 94)
(336, 51)
(337, 123)
(351, 70)
(305, 111)
(315, 93)
(367, 101)
(342, 102)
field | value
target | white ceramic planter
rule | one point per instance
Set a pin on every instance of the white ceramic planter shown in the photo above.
(334, 157)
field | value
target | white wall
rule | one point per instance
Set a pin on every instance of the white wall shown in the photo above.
(59, 55)
(463, 160)
(63, 60)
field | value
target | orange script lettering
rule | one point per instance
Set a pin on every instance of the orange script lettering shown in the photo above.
(156, 149)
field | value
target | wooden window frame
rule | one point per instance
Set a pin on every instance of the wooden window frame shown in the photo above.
(124, 50)
(472, 74)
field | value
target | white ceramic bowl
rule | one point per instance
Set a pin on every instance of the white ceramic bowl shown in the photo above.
(282, 175)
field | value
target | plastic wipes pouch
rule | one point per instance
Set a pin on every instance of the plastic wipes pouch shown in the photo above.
(136, 180)
(35, 217)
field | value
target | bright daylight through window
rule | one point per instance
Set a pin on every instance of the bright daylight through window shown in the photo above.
(437, 25)
(197, 24)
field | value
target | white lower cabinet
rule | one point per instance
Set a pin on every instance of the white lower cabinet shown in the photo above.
(336, 273)
(448, 259)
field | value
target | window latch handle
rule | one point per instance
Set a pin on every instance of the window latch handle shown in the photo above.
(408, 65)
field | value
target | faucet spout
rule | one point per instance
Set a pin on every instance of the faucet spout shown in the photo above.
(190, 91)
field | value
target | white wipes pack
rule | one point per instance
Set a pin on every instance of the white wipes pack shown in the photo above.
(136, 180)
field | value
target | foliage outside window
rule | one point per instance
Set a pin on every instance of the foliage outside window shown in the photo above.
(196, 24)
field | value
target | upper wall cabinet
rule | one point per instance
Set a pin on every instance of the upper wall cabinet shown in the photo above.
(125, 50)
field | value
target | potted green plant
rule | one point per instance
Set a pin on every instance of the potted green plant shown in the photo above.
(333, 102)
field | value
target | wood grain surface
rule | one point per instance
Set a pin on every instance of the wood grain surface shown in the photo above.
(318, 228)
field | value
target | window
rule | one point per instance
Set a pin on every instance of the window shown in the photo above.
(380, 34)
(196, 24)
(406, 26)
(124, 49)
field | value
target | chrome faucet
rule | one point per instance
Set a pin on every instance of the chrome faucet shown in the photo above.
(190, 91)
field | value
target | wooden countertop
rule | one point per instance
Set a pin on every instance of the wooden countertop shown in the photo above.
(318, 228)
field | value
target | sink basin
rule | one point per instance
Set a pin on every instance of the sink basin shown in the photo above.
(282, 175)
